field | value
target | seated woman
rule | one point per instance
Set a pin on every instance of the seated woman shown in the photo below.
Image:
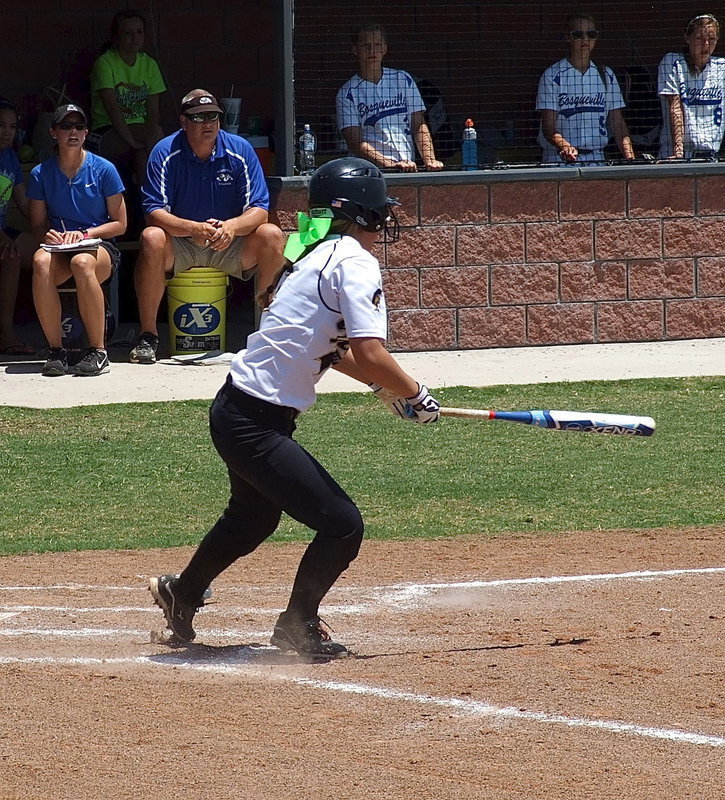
(16, 247)
(125, 87)
(74, 196)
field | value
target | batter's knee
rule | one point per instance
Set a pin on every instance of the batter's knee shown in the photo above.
(249, 530)
(346, 529)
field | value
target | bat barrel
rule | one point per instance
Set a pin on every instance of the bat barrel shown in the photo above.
(582, 421)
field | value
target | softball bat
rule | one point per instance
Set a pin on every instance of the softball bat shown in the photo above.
(582, 421)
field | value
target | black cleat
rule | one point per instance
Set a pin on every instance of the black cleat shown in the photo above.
(178, 611)
(308, 638)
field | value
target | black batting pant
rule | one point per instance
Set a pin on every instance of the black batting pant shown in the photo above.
(270, 473)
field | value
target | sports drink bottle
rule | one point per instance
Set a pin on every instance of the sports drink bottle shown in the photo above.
(469, 147)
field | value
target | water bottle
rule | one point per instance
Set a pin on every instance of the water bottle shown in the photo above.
(469, 147)
(308, 145)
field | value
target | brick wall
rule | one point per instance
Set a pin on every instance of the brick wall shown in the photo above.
(497, 261)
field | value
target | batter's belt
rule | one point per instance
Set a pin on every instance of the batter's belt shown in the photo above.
(256, 407)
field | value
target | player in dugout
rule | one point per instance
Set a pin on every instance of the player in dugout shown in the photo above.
(580, 102)
(380, 111)
(327, 310)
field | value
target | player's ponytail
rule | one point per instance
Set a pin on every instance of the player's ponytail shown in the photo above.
(339, 227)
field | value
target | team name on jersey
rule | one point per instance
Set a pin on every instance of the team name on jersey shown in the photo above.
(575, 100)
(702, 94)
(365, 109)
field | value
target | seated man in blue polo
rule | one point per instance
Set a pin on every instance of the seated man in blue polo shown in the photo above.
(206, 204)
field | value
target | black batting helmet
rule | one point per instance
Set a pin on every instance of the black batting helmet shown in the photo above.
(355, 191)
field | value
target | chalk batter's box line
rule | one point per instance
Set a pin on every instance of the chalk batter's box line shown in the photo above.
(552, 579)
(472, 707)
(465, 707)
(391, 595)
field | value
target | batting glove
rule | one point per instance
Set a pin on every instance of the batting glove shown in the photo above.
(426, 407)
(398, 405)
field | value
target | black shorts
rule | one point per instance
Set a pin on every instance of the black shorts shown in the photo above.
(113, 252)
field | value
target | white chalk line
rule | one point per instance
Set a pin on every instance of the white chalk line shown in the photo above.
(471, 707)
(466, 706)
(209, 608)
(396, 595)
(123, 633)
(551, 579)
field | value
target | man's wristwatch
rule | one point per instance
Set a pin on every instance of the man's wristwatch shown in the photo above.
(84, 231)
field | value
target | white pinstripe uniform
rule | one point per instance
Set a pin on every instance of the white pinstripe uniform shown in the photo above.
(583, 103)
(703, 103)
(382, 110)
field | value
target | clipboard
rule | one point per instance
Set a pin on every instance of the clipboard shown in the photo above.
(75, 247)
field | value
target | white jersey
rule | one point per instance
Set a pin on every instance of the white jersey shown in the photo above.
(332, 294)
(702, 99)
(382, 111)
(583, 102)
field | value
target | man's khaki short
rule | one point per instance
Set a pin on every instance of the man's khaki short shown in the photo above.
(188, 255)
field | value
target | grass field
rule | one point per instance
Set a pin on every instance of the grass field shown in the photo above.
(146, 475)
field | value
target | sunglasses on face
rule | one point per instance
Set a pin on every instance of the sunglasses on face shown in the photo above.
(206, 116)
(590, 34)
(69, 126)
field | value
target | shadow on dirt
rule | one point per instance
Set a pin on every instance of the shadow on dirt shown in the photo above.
(231, 655)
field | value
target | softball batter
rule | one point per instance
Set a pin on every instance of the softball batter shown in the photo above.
(327, 310)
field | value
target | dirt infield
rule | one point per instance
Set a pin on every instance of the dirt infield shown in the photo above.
(586, 665)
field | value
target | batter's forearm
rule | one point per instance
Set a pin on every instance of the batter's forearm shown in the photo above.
(376, 365)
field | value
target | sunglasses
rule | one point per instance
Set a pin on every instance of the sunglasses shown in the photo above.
(206, 116)
(590, 34)
(69, 126)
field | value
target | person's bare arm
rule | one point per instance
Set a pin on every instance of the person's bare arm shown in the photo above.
(356, 144)
(243, 225)
(621, 133)
(21, 199)
(369, 362)
(39, 221)
(677, 125)
(424, 141)
(199, 232)
(116, 226)
(549, 119)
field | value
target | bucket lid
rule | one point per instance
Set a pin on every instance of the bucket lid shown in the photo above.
(201, 271)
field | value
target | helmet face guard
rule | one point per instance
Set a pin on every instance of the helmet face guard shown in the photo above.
(355, 191)
(372, 220)
(391, 229)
